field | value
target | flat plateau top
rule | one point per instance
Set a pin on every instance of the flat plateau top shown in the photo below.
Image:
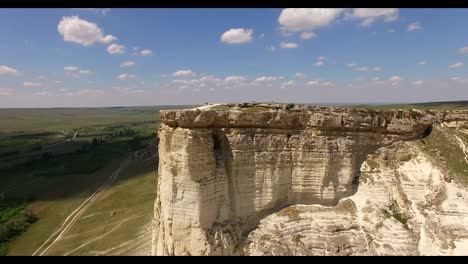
(297, 116)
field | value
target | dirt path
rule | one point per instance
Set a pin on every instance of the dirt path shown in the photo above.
(61, 142)
(463, 147)
(73, 217)
(105, 234)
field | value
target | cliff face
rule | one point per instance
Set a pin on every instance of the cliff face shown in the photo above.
(223, 169)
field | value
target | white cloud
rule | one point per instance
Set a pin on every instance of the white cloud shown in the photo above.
(43, 77)
(146, 52)
(183, 73)
(265, 79)
(369, 15)
(395, 79)
(115, 49)
(75, 72)
(414, 26)
(376, 68)
(288, 84)
(74, 29)
(308, 35)
(261, 36)
(237, 36)
(5, 91)
(320, 61)
(422, 63)
(104, 11)
(32, 84)
(455, 78)
(463, 50)
(235, 79)
(456, 65)
(418, 82)
(301, 75)
(288, 45)
(5, 70)
(127, 64)
(351, 65)
(41, 93)
(271, 48)
(84, 72)
(70, 68)
(305, 19)
(391, 30)
(126, 76)
(317, 82)
(376, 78)
(362, 69)
(313, 82)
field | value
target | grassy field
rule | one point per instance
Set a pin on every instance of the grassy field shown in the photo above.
(448, 106)
(46, 172)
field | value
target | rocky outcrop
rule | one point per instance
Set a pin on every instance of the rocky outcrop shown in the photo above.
(403, 206)
(225, 168)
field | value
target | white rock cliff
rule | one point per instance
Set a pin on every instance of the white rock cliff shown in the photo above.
(274, 179)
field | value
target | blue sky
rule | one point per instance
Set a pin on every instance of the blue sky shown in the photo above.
(110, 57)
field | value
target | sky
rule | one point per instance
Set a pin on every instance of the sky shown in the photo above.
(79, 57)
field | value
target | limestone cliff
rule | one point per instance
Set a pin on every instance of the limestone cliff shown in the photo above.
(289, 179)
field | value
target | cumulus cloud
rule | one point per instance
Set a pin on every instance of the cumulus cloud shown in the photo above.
(306, 19)
(301, 75)
(287, 84)
(463, 50)
(127, 64)
(235, 79)
(418, 82)
(115, 49)
(146, 52)
(75, 72)
(362, 69)
(271, 48)
(288, 45)
(5, 70)
(376, 68)
(74, 29)
(320, 61)
(125, 76)
(183, 73)
(5, 91)
(308, 35)
(414, 26)
(351, 65)
(266, 79)
(395, 79)
(422, 63)
(369, 15)
(237, 36)
(317, 82)
(456, 65)
(32, 84)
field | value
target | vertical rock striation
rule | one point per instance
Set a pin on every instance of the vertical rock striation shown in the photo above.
(224, 168)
